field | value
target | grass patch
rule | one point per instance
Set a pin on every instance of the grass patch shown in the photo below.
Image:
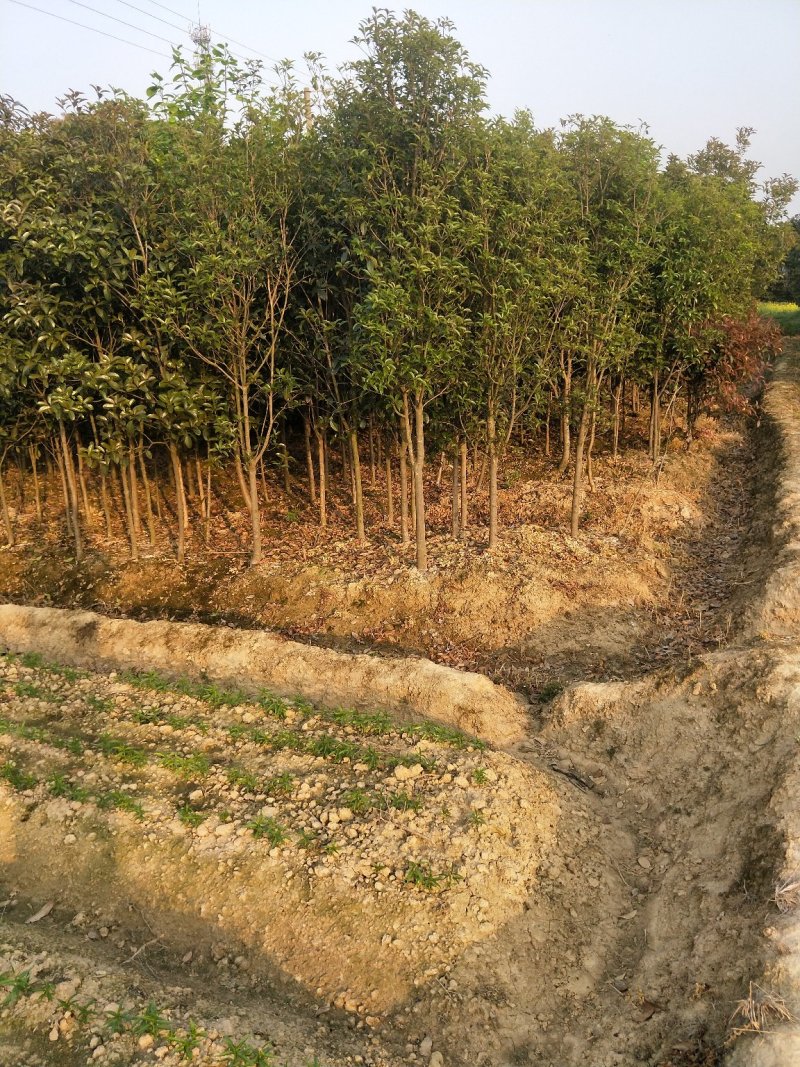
(190, 816)
(117, 800)
(266, 826)
(786, 315)
(194, 766)
(116, 748)
(61, 786)
(17, 778)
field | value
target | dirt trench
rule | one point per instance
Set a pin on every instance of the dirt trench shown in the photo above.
(658, 923)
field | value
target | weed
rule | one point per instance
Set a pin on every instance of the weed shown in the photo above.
(761, 1011)
(403, 801)
(81, 1012)
(359, 801)
(331, 848)
(16, 986)
(549, 692)
(33, 660)
(420, 874)
(119, 1020)
(265, 826)
(61, 786)
(115, 748)
(117, 800)
(279, 785)
(479, 776)
(305, 707)
(476, 818)
(363, 722)
(307, 839)
(101, 705)
(271, 704)
(27, 690)
(243, 779)
(243, 1054)
(331, 748)
(190, 816)
(16, 777)
(285, 739)
(186, 1041)
(150, 1021)
(195, 766)
(443, 735)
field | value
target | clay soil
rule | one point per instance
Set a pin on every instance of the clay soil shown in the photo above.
(308, 888)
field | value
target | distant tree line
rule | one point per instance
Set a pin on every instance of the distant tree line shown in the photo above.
(215, 278)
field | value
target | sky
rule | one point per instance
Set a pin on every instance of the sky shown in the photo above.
(689, 69)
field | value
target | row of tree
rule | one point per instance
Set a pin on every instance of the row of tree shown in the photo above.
(234, 271)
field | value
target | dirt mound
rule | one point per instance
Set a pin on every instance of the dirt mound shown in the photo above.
(253, 658)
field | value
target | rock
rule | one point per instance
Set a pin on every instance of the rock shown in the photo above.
(146, 1041)
(644, 862)
(436, 1060)
(426, 1047)
(70, 839)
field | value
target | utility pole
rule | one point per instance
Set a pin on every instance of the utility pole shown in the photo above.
(307, 103)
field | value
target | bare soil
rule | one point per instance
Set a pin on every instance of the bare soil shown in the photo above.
(618, 888)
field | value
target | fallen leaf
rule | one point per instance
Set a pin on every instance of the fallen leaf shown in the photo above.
(40, 914)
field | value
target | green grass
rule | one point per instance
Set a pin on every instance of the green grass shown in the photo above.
(265, 826)
(61, 786)
(115, 748)
(190, 816)
(117, 800)
(16, 777)
(194, 766)
(787, 316)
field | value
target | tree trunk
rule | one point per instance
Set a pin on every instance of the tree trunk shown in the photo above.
(148, 497)
(491, 435)
(589, 450)
(69, 471)
(130, 519)
(65, 492)
(198, 470)
(455, 517)
(82, 483)
(440, 471)
(566, 433)
(6, 513)
(547, 426)
(242, 482)
(358, 493)
(389, 487)
(655, 419)
(255, 511)
(464, 510)
(134, 489)
(404, 532)
(105, 502)
(577, 479)
(371, 436)
(37, 496)
(180, 500)
(312, 484)
(322, 463)
(617, 409)
(416, 447)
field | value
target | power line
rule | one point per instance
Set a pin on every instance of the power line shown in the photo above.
(92, 29)
(122, 22)
(150, 15)
(224, 36)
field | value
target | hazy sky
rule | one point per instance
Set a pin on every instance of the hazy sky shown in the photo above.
(690, 69)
